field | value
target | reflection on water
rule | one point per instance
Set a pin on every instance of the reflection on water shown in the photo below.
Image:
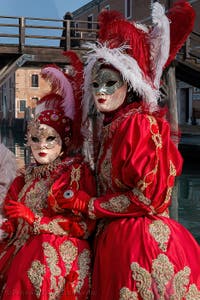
(189, 181)
(189, 191)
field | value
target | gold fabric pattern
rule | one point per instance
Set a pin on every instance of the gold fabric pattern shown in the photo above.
(57, 281)
(105, 175)
(143, 279)
(52, 227)
(35, 274)
(172, 172)
(162, 272)
(193, 293)
(75, 176)
(156, 137)
(91, 209)
(37, 172)
(84, 268)
(180, 282)
(141, 196)
(161, 233)
(35, 203)
(163, 278)
(126, 294)
(116, 204)
(68, 252)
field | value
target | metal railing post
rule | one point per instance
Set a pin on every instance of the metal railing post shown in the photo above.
(21, 34)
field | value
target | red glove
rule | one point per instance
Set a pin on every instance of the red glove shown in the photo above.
(77, 200)
(15, 209)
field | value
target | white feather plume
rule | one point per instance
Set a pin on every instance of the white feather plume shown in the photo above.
(63, 87)
(129, 69)
(159, 41)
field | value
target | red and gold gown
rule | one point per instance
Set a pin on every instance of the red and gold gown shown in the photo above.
(41, 261)
(140, 253)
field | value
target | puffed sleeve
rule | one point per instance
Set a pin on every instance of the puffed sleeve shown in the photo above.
(144, 165)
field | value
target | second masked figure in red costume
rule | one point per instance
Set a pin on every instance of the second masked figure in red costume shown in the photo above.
(44, 251)
(140, 253)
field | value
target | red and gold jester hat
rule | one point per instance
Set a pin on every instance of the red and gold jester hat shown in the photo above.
(61, 107)
(139, 52)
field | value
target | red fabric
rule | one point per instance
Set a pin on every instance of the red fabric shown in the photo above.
(181, 13)
(136, 245)
(69, 293)
(37, 264)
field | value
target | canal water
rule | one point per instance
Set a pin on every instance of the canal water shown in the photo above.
(188, 211)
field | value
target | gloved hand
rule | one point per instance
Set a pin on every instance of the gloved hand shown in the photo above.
(15, 210)
(70, 199)
(77, 201)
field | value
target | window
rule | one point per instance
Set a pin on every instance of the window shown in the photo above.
(22, 105)
(34, 80)
(128, 9)
(90, 20)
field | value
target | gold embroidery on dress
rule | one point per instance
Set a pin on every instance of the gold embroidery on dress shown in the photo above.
(193, 293)
(91, 209)
(84, 268)
(161, 233)
(52, 227)
(143, 279)
(105, 174)
(162, 273)
(156, 136)
(68, 252)
(57, 281)
(37, 172)
(35, 274)
(35, 203)
(181, 280)
(163, 281)
(117, 204)
(172, 172)
(75, 176)
(141, 196)
(126, 294)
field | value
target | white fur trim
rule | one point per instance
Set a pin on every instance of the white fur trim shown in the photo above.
(129, 69)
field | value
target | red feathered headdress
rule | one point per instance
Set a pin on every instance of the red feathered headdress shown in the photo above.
(61, 108)
(138, 52)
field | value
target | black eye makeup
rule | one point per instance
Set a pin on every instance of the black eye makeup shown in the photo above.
(51, 138)
(111, 83)
(35, 139)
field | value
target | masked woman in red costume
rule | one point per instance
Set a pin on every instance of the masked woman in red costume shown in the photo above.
(140, 253)
(44, 252)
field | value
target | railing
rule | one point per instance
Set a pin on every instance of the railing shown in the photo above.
(55, 33)
(27, 31)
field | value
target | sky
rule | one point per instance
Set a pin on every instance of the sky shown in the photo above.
(39, 8)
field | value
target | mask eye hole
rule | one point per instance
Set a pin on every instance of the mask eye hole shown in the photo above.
(35, 139)
(111, 83)
(95, 85)
(51, 138)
